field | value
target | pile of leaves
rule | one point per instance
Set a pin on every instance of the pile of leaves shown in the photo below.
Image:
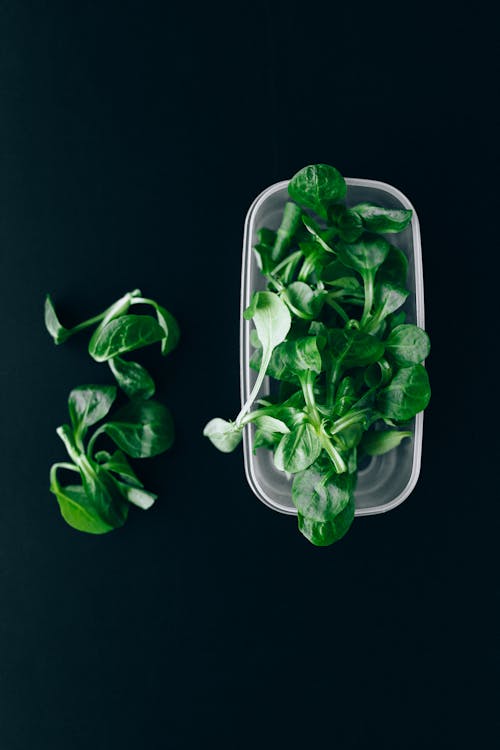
(330, 332)
(141, 428)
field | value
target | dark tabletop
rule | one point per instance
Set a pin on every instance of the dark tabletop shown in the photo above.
(132, 140)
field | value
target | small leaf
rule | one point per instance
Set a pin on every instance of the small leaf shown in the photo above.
(124, 334)
(226, 436)
(408, 394)
(132, 378)
(297, 449)
(382, 441)
(141, 429)
(78, 511)
(170, 328)
(304, 301)
(407, 345)
(317, 187)
(58, 332)
(88, 404)
(378, 219)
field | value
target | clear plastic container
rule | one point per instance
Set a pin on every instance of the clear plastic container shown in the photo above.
(387, 480)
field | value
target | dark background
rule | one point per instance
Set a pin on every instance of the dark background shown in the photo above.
(133, 138)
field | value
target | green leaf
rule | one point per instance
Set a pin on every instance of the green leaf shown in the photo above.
(297, 449)
(325, 533)
(132, 378)
(378, 219)
(58, 332)
(346, 396)
(286, 231)
(226, 436)
(88, 404)
(136, 495)
(408, 394)
(269, 431)
(271, 318)
(124, 334)
(141, 429)
(78, 510)
(170, 328)
(304, 301)
(291, 358)
(117, 463)
(407, 345)
(354, 348)
(388, 299)
(317, 187)
(266, 239)
(347, 223)
(321, 494)
(382, 441)
(394, 269)
(367, 254)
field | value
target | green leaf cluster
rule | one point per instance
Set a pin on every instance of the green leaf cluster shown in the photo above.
(142, 428)
(331, 331)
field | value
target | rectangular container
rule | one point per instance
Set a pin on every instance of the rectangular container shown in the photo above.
(388, 479)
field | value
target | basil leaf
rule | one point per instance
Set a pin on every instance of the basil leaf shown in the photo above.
(88, 404)
(124, 334)
(297, 449)
(408, 393)
(378, 219)
(141, 429)
(132, 378)
(317, 187)
(407, 345)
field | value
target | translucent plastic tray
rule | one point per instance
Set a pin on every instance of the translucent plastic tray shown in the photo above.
(387, 480)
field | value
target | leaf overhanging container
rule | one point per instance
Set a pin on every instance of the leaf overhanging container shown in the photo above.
(388, 479)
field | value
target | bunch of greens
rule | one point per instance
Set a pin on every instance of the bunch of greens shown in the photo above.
(139, 429)
(331, 334)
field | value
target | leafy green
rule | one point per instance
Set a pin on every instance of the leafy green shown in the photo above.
(124, 334)
(344, 362)
(132, 378)
(378, 219)
(141, 429)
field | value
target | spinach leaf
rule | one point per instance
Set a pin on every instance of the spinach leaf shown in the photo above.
(118, 464)
(354, 348)
(132, 378)
(388, 299)
(78, 510)
(141, 429)
(324, 533)
(269, 431)
(170, 329)
(347, 223)
(365, 256)
(124, 334)
(317, 187)
(382, 441)
(385, 220)
(407, 345)
(394, 269)
(297, 449)
(407, 394)
(58, 332)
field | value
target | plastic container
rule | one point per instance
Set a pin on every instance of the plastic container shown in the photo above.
(387, 480)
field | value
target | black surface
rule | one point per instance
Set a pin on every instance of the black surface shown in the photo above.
(133, 139)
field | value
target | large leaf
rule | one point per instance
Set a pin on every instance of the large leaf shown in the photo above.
(141, 429)
(132, 378)
(408, 394)
(124, 334)
(88, 404)
(407, 345)
(324, 533)
(297, 449)
(317, 187)
(378, 219)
